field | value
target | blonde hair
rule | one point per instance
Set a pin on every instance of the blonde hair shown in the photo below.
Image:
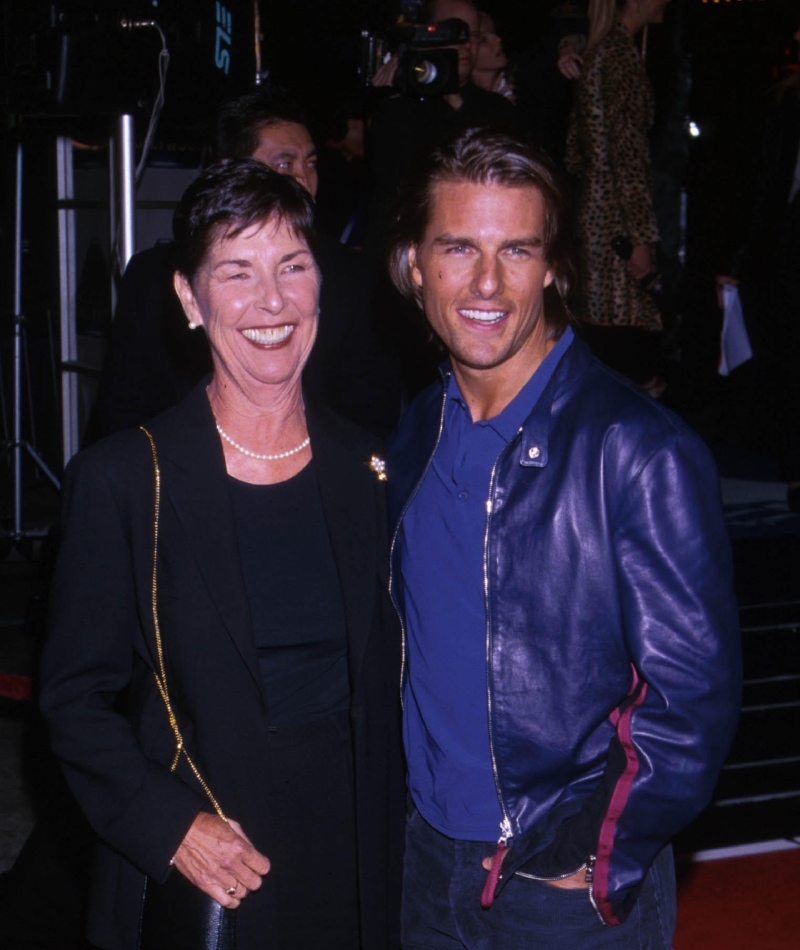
(602, 14)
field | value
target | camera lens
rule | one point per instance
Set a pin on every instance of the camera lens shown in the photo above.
(425, 72)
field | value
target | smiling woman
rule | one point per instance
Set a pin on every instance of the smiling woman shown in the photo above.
(239, 552)
(248, 277)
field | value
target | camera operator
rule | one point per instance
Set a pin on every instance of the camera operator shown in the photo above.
(404, 126)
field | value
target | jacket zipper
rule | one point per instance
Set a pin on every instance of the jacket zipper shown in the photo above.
(590, 881)
(407, 505)
(587, 866)
(506, 830)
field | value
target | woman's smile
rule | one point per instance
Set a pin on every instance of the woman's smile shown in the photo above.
(269, 336)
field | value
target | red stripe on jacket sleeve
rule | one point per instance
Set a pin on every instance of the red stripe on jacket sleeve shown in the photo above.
(619, 798)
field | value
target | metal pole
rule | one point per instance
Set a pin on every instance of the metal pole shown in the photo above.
(112, 218)
(17, 445)
(66, 270)
(257, 40)
(126, 190)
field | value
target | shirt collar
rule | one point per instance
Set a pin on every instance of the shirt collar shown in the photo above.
(508, 422)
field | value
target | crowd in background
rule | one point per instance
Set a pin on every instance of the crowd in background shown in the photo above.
(581, 92)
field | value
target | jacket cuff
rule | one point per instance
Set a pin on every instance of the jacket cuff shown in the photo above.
(150, 830)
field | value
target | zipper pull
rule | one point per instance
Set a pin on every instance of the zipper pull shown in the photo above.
(589, 877)
(487, 895)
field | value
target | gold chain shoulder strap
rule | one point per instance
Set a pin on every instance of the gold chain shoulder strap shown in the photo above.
(160, 675)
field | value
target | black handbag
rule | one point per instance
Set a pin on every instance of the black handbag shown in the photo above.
(176, 915)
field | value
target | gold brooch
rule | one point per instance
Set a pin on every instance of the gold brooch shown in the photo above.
(377, 464)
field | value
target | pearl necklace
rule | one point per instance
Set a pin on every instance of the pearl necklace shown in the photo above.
(263, 458)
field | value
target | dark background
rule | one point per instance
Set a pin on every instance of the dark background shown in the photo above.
(67, 68)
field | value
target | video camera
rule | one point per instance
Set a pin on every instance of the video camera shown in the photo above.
(425, 67)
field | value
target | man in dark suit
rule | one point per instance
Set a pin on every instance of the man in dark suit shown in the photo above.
(153, 360)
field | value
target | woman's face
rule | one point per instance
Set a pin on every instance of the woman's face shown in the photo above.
(490, 46)
(257, 296)
(652, 11)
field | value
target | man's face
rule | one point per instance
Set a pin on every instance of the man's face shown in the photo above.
(482, 273)
(445, 10)
(288, 149)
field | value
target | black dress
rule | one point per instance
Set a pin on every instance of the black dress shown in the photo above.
(301, 644)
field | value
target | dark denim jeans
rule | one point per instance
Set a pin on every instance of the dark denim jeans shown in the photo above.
(442, 884)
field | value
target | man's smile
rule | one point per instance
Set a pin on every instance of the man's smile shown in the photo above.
(482, 316)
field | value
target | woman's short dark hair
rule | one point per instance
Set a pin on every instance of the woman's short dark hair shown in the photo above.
(486, 157)
(229, 197)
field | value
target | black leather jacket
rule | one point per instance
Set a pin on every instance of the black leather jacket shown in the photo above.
(614, 677)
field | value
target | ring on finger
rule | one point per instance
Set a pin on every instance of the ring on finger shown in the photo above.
(231, 890)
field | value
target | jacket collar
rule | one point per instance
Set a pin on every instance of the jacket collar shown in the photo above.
(534, 447)
(195, 483)
(535, 436)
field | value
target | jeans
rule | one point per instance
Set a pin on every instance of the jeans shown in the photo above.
(442, 882)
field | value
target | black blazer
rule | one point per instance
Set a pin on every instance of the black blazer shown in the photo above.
(107, 722)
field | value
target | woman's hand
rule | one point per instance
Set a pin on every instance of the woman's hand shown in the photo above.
(217, 856)
(640, 263)
(505, 87)
(722, 281)
(570, 61)
(384, 74)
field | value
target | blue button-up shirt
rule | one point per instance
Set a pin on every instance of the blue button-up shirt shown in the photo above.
(446, 724)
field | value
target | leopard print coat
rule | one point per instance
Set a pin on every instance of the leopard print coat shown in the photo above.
(607, 148)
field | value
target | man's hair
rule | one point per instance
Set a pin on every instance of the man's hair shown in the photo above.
(229, 197)
(486, 157)
(241, 121)
(429, 9)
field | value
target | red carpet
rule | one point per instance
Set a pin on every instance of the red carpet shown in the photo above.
(14, 686)
(747, 903)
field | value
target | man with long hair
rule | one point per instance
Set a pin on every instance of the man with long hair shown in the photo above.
(563, 574)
